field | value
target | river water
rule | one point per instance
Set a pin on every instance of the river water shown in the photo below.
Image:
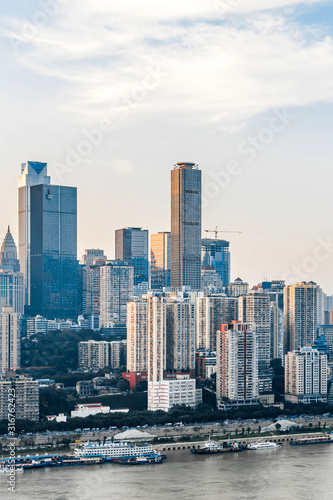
(289, 473)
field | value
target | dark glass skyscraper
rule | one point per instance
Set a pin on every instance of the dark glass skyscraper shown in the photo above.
(32, 173)
(53, 259)
(186, 226)
(132, 247)
(216, 253)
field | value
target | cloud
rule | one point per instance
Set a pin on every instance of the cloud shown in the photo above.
(218, 71)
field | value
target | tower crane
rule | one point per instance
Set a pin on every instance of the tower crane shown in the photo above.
(217, 231)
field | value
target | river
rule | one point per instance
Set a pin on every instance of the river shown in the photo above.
(289, 473)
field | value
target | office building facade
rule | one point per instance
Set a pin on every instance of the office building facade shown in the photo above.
(53, 251)
(8, 254)
(132, 248)
(216, 253)
(186, 226)
(32, 173)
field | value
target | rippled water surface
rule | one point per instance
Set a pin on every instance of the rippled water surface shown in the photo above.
(304, 472)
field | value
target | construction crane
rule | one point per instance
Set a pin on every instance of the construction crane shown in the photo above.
(217, 231)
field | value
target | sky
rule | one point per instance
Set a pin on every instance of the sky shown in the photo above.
(113, 94)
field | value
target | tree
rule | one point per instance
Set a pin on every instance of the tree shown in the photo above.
(277, 426)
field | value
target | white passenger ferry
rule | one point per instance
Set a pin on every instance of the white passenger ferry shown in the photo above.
(112, 450)
(263, 445)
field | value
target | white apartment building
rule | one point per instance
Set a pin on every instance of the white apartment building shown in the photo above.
(26, 397)
(137, 336)
(305, 376)
(168, 393)
(237, 365)
(94, 355)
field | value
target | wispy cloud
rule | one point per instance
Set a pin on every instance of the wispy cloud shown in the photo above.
(228, 71)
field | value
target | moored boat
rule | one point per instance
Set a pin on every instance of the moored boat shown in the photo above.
(263, 445)
(148, 460)
(111, 450)
(326, 438)
(212, 447)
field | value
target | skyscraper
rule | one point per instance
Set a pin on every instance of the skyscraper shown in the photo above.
(8, 254)
(53, 251)
(9, 340)
(90, 264)
(160, 261)
(216, 253)
(306, 376)
(300, 315)
(211, 313)
(237, 367)
(132, 248)
(255, 308)
(186, 226)
(180, 335)
(32, 173)
(137, 336)
(11, 280)
(116, 289)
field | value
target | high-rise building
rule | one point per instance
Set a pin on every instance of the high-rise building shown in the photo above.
(237, 367)
(156, 338)
(277, 328)
(305, 376)
(53, 251)
(95, 355)
(216, 253)
(137, 336)
(90, 255)
(211, 281)
(91, 262)
(160, 265)
(255, 308)
(211, 313)
(180, 335)
(237, 288)
(32, 173)
(300, 315)
(11, 280)
(116, 289)
(8, 254)
(10, 350)
(132, 248)
(186, 226)
(12, 290)
(26, 397)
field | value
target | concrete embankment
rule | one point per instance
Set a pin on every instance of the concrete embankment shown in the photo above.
(281, 439)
